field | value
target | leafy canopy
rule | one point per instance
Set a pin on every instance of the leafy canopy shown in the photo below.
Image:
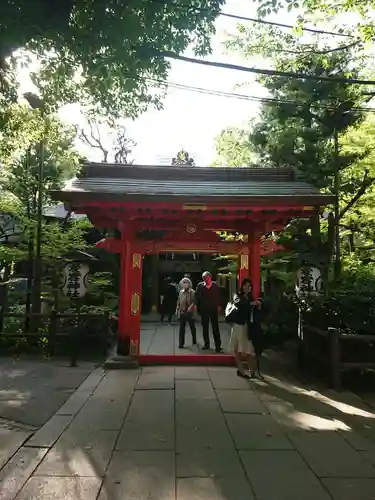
(103, 53)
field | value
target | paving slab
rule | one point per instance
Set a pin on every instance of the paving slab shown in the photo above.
(209, 463)
(291, 419)
(18, 470)
(194, 389)
(350, 489)
(58, 488)
(257, 432)
(102, 414)
(227, 378)
(241, 401)
(329, 455)
(149, 424)
(10, 441)
(213, 489)
(32, 391)
(47, 435)
(79, 456)
(76, 401)
(281, 475)
(140, 475)
(191, 373)
(156, 379)
(117, 384)
(92, 381)
(203, 434)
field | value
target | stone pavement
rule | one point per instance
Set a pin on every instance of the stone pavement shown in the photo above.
(163, 339)
(31, 391)
(195, 433)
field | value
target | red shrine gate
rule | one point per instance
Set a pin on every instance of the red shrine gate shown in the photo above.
(153, 209)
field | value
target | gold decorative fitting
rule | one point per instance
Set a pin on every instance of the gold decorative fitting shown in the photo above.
(191, 228)
(135, 304)
(244, 262)
(137, 259)
(133, 348)
(187, 206)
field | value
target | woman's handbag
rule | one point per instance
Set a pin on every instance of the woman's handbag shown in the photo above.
(231, 313)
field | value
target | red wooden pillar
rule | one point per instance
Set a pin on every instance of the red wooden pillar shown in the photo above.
(254, 254)
(129, 327)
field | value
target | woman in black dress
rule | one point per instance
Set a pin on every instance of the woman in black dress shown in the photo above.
(168, 300)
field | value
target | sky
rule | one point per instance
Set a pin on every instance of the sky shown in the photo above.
(191, 120)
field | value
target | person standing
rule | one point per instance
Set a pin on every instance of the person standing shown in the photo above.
(168, 300)
(241, 339)
(207, 299)
(185, 311)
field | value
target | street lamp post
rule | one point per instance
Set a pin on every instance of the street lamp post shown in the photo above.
(36, 103)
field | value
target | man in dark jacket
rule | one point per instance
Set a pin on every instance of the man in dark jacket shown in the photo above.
(207, 300)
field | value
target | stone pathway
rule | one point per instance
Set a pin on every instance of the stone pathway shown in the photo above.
(194, 433)
(158, 339)
(31, 391)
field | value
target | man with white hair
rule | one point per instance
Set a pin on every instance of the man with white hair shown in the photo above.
(185, 311)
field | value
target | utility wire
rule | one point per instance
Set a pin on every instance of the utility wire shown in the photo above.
(266, 72)
(263, 100)
(255, 20)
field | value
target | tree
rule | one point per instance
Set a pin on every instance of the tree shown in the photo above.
(26, 134)
(102, 53)
(302, 124)
(183, 158)
(233, 148)
(119, 147)
(363, 8)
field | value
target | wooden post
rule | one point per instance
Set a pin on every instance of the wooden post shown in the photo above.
(254, 254)
(123, 339)
(130, 301)
(155, 283)
(335, 356)
(133, 299)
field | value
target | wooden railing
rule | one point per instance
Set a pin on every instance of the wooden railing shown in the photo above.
(73, 331)
(339, 352)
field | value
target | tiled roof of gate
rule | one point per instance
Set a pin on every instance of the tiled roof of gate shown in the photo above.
(144, 182)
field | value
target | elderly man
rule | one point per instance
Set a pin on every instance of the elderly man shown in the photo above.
(185, 311)
(207, 299)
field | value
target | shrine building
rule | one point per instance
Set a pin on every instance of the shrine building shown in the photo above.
(158, 210)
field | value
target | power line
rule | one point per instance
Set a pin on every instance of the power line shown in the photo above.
(263, 100)
(259, 21)
(282, 25)
(266, 72)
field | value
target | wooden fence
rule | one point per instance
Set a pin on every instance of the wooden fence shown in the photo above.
(72, 332)
(337, 351)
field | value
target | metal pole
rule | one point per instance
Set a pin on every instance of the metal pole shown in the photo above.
(337, 183)
(37, 285)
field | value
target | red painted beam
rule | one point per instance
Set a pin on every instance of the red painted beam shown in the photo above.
(186, 359)
(227, 205)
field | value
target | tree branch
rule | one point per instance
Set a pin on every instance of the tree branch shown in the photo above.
(94, 140)
(366, 183)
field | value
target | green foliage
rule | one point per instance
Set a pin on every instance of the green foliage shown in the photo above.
(350, 306)
(311, 8)
(104, 53)
(233, 148)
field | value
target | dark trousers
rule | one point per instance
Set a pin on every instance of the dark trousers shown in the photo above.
(186, 317)
(207, 316)
(170, 316)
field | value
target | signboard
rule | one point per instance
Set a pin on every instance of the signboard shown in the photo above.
(309, 281)
(75, 280)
